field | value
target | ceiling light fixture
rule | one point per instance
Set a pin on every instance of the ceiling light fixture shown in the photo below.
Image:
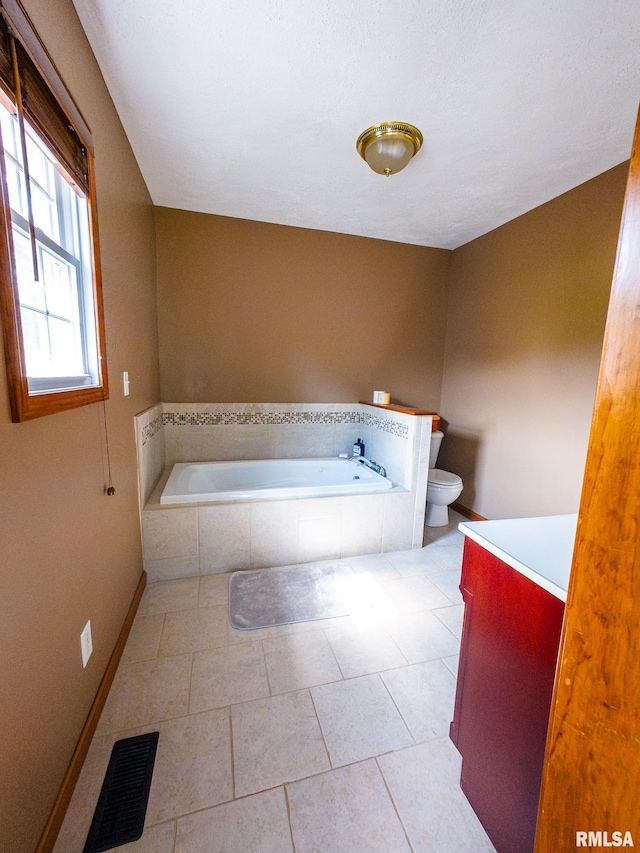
(389, 146)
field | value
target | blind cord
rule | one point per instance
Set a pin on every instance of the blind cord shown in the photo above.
(110, 488)
(25, 161)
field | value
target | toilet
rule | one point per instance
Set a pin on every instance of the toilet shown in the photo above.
(442, 487)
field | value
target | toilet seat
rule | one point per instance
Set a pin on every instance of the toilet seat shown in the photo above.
(444, 479)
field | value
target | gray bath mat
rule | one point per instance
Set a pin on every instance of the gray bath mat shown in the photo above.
(262, 598)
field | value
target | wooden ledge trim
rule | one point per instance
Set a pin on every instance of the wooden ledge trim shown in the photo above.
(52, 827)
(405, 410)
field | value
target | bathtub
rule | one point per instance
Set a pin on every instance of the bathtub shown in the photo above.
(263, 479)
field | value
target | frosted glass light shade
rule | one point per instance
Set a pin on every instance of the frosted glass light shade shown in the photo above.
(388, 147)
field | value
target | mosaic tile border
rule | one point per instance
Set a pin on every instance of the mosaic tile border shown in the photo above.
(258, 418)
(386, 425)
(151, 429)
(393, 427)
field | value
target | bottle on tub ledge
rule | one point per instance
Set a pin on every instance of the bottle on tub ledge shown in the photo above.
(358, 448)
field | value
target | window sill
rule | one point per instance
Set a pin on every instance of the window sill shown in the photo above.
(26, 406)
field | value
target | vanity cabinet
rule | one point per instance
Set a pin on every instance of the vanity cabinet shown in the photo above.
(510, 640)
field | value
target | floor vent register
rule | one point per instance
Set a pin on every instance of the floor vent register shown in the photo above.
(122, 804)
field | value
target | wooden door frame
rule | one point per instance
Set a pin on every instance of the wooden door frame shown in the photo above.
(591, 777)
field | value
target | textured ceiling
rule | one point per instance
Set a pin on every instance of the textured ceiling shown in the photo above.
(252, 109)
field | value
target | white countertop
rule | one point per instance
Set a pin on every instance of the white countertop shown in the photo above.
(539, 548)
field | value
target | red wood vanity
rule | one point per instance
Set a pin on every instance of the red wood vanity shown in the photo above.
(510, 638)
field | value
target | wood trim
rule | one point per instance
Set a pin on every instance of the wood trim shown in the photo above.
(468, 513)
(52, 828)
(592, 773)
(405, 410)
(23, 27)
(25, 405)
(9, 303)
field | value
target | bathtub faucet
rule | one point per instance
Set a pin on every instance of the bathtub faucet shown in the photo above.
(369, 464)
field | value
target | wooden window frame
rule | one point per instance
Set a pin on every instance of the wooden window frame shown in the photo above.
(25, 404)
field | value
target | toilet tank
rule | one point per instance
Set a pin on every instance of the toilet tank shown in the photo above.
(436, 439)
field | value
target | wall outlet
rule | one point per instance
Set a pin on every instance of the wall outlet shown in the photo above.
(86, 644)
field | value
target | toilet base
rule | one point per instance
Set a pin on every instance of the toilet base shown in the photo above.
(436, 515)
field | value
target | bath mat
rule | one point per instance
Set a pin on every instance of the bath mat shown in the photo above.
(122, 804)
(262, 598)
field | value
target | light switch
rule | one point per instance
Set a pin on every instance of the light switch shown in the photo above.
(86, 643)
(125, 382)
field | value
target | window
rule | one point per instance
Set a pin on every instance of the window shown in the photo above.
(50, 288)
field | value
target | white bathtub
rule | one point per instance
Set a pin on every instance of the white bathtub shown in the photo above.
(204, 482)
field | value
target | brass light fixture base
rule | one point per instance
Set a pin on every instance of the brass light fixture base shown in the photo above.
(387, 147)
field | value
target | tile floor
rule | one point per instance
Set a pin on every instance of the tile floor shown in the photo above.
(315, 738)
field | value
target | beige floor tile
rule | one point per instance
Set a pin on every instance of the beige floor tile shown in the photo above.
(424, 783)
(449, 535)
(451, 617)
(367, 599)
(361, 652)
(299, 660)
(415, 593)
(193, 765)
(276, 740)
(348, 809)
(424, 694)
(358, 719)
(187, 631)
(214, 589)
(320, 625)
(255, 824)
(448, 555)
(446, 532)
(449, 583)
(414, 562)
(144, 638)
(254, 635)
(167, 596)
(431, 534)
(227, 676)
(375, 564)
(422, 636)
(451, 663)
(147, 692)
(155, 839)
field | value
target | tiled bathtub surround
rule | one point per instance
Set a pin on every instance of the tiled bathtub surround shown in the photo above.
(150, 450)
(209, 432)
(212, 538)
(221, 432)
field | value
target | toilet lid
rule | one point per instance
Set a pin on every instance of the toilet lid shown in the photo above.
(437, 477)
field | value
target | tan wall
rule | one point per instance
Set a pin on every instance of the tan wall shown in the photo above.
(526, 319)
(68, 552)
(253, 312)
